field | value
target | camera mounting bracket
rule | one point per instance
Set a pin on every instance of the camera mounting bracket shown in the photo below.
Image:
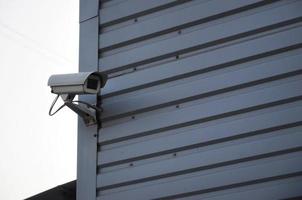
(85, 110)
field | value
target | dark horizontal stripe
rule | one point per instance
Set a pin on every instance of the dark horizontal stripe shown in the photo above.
(294, 198)
(235, 185)
(206, 70)
(103, 1)
(202, 168)
(187, 25)
(202, 144)
(208, 44)
(205, 95)
(142, 13)
(204, 120)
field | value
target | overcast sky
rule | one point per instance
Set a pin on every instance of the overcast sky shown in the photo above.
(37, 39)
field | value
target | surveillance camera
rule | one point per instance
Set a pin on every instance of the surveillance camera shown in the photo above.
(69, 85)
(77, 83)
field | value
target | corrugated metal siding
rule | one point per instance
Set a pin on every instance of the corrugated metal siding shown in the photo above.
(204, 99)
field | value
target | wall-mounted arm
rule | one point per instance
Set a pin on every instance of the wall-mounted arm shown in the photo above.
(87, 114)
(85, 110)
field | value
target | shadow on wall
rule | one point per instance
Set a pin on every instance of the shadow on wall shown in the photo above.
(66, 191)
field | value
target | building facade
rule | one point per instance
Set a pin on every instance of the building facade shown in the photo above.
(203, 101)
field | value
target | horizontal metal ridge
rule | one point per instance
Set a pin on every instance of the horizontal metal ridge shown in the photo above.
(203, 120)
(205, 95)
(206, 70)
(235, 185)
(203, 144)
(142, 13)
(206, 167)
(180, 139)
(208, 44)
(187, 25)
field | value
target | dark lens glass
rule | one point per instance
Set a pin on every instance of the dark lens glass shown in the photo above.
(92, 84)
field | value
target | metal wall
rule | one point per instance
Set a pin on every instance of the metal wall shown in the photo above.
(204, 99)
(87, 137)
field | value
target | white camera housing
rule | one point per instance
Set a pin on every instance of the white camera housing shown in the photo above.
(67, 86)
(77, 83)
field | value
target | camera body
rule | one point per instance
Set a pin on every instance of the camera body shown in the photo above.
(67, 86)
(77, 83)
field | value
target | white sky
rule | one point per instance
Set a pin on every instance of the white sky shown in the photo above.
(37, 38)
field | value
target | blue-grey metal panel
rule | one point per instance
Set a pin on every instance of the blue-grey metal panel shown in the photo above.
(88, 47)
(203, 101)
(188, 139)
(86, 162)
(141, 37)
(268, 190)
(126, 10)
(262, 191)
(150, 28)
(198, 183)
(194, 114)
(198, 160)
(88, 9)
(87, 136)
(245, 26)
(134, 103)
(221, 58)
